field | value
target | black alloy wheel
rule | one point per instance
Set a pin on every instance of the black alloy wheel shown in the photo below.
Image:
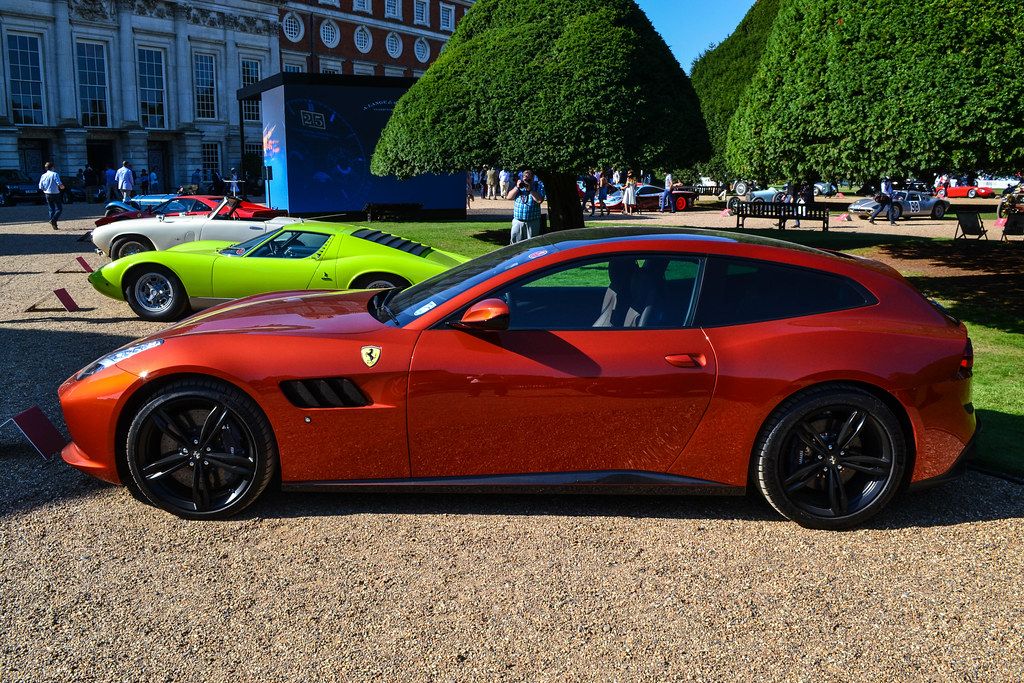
(831, 458)
(379, 281)
(200, 450)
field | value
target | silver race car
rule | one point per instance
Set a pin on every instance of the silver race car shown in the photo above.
(907, 204)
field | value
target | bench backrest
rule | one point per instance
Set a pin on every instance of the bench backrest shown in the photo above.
(777, 209)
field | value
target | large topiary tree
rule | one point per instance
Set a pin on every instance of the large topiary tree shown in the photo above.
(863, 88)
(721, 75)
(555, 85)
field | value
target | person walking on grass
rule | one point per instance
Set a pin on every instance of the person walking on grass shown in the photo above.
(125, 180)
(492, 183)
(884, 200)
(666, 196)
(528, 195)
(52, 187)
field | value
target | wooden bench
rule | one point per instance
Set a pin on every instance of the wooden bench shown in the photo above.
(782, 212)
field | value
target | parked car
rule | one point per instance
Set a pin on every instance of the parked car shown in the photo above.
(824, 189)
(191, 205)
(907, 184)
(603, 359)
(162, 285)
(17, 187)
(971, 191)
(908, 204)
(772, 194)
(137, 203)
(122, 238)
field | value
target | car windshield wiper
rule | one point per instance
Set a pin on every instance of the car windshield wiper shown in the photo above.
(382, 305)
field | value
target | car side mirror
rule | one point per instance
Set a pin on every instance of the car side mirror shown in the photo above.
(489, 314)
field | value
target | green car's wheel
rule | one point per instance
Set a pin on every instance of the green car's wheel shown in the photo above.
(379, 281)
(155, 293)
(126, 246)
(201, 450)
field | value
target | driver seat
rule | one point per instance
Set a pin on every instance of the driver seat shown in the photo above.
(615, 305)
(647, 305)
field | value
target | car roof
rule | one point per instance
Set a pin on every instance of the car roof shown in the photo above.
(569, 239)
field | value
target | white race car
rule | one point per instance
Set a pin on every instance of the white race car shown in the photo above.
(123, 238)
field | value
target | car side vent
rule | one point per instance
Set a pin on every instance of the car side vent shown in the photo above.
(331, 392)
(388, 240)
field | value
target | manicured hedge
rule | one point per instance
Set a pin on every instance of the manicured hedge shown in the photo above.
(721, 74)
(558, 85)
(862, 88)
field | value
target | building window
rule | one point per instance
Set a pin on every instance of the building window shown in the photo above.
(362, 6)
(329, 33)
(294, 67)
(364, 39)
(393, 9)
(92, 83)
(421, 12)
(293, 27)
(254, 148)
(330, 66)
(363, 69)
(394, 71)
(211, 158)
(251, 71)
(26, 77)
(422, 50)
(447, 17)
(394, 45)
(151, 88)
(204, 83)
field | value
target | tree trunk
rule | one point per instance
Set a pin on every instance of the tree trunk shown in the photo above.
(564, 209)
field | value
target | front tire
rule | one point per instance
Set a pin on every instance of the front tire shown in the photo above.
(972, 193)
(831, 457)
(741, 187)
(938, 211)
(897, 212)
(126, 246)
(200, 449)
(155, 293)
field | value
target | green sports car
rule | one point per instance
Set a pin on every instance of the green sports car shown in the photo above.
(163, 285)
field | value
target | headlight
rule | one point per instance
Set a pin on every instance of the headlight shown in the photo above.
(118, 356)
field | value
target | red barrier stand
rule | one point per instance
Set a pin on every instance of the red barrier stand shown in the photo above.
(83, 266)
(40, 432)
(62, 296)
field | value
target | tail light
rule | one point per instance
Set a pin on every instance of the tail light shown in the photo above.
(966, 368)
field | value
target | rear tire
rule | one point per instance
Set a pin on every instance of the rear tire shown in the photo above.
(897, 212)
(939, 210)
(741, 187)
(831, 457)
(200, 449)
(972, 193)
(379, 281)
(682, 204)
(126, 246)
(155, 293)
(732, 203)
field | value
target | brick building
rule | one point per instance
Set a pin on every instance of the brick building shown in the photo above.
(366, 37)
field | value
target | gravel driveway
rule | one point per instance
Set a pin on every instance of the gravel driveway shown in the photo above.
(95, 586)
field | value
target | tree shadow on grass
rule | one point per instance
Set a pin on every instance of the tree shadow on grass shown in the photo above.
(999, 450)
(835, 240)
(498, 238)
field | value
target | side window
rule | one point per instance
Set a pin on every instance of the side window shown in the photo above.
(290, 244)
(179, 206)
(621, 292)
(735, 292)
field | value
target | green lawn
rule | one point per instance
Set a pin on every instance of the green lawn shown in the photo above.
(991, 304)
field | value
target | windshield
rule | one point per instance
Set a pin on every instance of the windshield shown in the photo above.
(412, 302)
(242, 248)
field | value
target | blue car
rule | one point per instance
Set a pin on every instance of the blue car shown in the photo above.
(139, 203)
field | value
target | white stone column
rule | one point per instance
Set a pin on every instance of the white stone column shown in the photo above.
(67, 111)
(75, 155)
(128, 84)
(183, 60)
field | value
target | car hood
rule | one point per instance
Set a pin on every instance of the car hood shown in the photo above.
(294, 313)
(22, 187)
(863, 204)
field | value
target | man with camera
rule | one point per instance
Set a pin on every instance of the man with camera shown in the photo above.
(528, 196)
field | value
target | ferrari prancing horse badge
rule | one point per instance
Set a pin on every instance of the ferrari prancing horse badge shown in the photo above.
(370, 354)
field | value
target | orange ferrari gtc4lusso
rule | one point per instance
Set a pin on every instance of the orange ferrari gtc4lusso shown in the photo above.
(601, 360)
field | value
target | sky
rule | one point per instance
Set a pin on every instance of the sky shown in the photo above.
(689, 26)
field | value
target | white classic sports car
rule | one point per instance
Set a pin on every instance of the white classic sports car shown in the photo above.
(123, 238)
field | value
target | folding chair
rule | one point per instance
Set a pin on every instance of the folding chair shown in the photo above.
(969, 224)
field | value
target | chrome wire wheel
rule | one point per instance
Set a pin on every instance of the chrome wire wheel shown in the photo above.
(154, 293)
(195, 455)
(836, 462)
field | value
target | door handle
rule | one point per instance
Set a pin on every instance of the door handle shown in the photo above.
(325, 277)
(687, 360)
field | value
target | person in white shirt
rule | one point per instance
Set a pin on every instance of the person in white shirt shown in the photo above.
(52, 188)
(666, 196)
(125, 180)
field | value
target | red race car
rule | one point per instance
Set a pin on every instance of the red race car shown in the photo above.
(194, 205)
(606, 359)
(648, 198)
(971, 191)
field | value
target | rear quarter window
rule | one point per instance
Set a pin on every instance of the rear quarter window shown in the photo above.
(739, 291)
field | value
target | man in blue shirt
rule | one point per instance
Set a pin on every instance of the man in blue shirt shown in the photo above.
(528, 195)
(52, 187)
